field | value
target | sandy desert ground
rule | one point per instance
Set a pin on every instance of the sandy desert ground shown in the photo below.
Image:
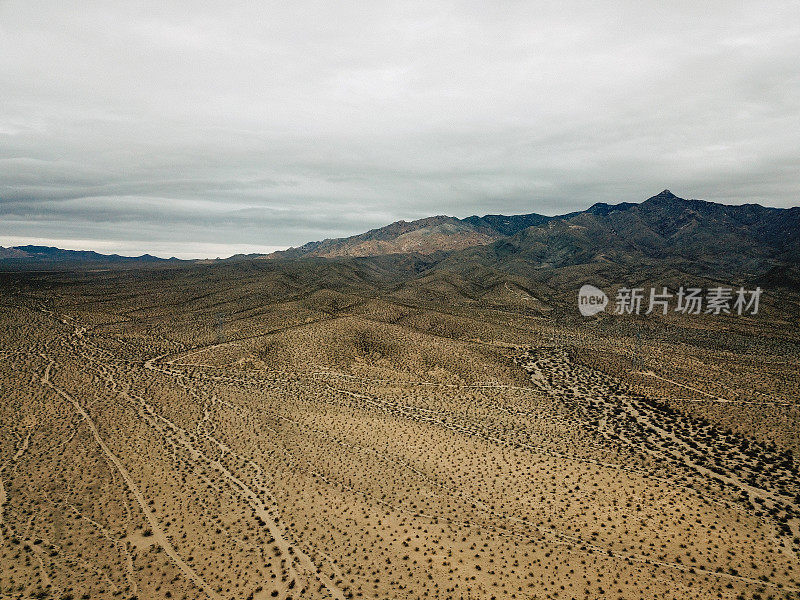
(265, 437)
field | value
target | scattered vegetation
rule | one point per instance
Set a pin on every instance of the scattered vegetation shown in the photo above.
(265, 432)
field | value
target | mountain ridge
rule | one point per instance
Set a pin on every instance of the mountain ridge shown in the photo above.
(690, 235)
(663, 227)
(444, 233)
(424, 236)
(31, 255)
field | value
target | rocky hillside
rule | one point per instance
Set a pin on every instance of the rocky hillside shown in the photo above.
(693, 236)
(423, 236)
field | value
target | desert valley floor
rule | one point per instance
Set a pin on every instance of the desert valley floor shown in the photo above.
(205, 436)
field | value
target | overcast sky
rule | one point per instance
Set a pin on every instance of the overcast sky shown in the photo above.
(205, 129)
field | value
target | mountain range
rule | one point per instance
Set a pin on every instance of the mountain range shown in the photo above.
(33, 256)
(664, 238)
(664, 234)
(423, 236)
(663, 225)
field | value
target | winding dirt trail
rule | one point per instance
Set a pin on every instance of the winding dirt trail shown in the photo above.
(3, 494)
(652, 434)
(267, 514)
(159, 535)
(712, 397)
(223, 470)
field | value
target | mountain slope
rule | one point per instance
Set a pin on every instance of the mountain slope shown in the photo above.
(691, 235)
(423, 236)
(705, 237)
(664, 241)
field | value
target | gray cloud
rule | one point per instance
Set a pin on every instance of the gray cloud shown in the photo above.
(259, 124)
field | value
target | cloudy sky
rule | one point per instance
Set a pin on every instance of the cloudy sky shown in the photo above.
(205, 129)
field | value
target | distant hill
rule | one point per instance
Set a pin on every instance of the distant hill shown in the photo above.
(694, 236)
(423, 236)
(32, 257)
(707, 237)
(664, 240)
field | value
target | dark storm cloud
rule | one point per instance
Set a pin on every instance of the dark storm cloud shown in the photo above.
(190, 129)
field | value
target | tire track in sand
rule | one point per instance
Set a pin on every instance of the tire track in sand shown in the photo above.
(159, 534)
